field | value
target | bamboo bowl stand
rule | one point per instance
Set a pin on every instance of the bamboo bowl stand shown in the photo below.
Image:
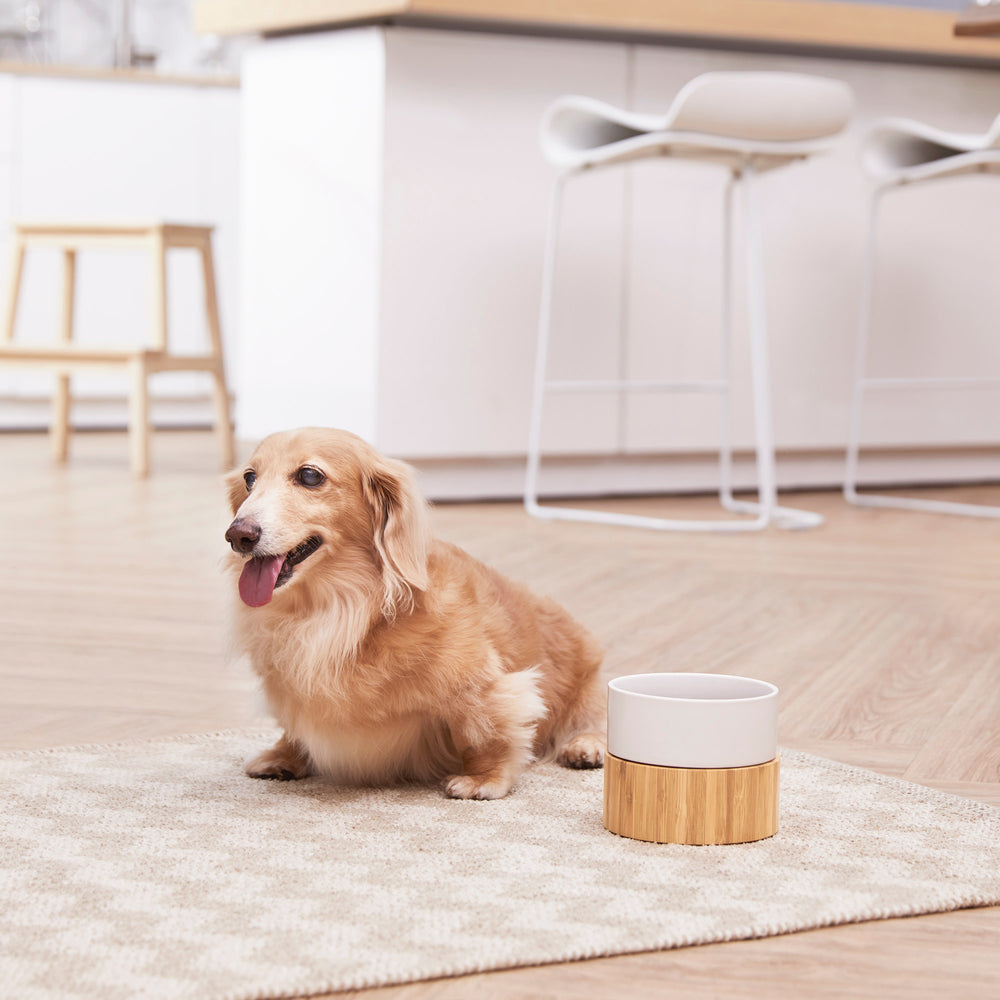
(687, 805)
(692, 759)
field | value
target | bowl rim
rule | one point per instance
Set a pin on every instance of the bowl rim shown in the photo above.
(769, 690)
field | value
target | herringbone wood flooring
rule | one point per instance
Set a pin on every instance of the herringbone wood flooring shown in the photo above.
(882, 630)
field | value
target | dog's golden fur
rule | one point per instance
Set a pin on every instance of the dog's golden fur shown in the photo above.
(387, 654)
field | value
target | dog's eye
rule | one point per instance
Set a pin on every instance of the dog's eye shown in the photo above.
(308, 476)
(249, 478)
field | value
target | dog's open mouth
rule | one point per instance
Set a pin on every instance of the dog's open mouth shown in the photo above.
(262, 574)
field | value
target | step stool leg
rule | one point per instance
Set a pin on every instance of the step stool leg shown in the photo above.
(138, 419)
(61, 398)
(223, 419)
(220, 392)
(13, 289)
(158, 274)
(138, 422)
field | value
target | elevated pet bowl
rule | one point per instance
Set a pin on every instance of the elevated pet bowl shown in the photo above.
(692, 759)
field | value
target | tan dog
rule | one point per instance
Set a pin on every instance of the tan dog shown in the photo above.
(388, 655)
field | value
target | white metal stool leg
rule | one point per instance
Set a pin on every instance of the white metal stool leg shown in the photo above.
(542, 353)
(766, 507)
(862, 383)
(861, 353)
(726, 497)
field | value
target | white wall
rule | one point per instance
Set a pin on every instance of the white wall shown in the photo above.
(109, 150)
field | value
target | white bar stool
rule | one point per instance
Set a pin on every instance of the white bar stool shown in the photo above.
(744, 122)
(899, 152)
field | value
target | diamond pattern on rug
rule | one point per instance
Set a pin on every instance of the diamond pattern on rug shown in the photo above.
(159, 870)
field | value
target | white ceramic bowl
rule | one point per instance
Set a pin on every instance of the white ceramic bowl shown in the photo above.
(692, 720)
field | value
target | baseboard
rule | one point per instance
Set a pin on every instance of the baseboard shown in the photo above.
(503, 478)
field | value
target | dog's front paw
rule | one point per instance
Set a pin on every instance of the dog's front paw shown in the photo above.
(463, 786)
(280, 763)
(583, 751)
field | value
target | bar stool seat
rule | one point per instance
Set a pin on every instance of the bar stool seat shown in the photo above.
(745, 123)
(773, 118)
(899, 153)
(66, 357)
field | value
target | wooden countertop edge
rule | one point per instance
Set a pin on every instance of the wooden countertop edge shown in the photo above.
(109, 73)
(825, 24)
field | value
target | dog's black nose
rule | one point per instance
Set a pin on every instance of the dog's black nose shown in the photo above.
(243, 535)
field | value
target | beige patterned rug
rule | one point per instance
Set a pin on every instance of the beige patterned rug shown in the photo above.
(158, 870)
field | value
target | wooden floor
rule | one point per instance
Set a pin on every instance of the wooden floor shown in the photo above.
(881, 628)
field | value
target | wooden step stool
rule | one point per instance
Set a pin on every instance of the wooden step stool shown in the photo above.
(66, 357)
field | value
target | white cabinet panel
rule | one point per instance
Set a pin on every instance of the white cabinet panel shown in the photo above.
(463, 223)
(466, 204)
(936, 299)
(312, 139)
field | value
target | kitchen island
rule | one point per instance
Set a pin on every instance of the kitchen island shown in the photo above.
(393, 215)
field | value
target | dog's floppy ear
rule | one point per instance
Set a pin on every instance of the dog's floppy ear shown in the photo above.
(400, 530)
(236, 489)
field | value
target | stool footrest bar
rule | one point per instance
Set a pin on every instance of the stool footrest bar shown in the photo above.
(961, 382)
(634, 385)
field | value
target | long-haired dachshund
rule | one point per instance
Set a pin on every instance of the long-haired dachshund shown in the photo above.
(386, 654)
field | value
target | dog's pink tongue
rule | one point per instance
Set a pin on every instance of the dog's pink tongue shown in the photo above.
(257, 580)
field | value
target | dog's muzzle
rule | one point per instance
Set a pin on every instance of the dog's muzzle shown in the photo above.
(264, 572)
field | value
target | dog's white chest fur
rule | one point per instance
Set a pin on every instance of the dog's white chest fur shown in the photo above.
(373, 755)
